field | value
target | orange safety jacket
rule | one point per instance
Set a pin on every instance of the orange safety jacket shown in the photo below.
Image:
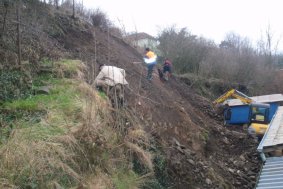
(150, 54)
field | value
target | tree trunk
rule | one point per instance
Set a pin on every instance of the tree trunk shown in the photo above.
(108, 45)
(19, 33)
(4, 20)
(56, 4)
(73, 8)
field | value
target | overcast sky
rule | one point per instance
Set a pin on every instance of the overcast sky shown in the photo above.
(211, 19)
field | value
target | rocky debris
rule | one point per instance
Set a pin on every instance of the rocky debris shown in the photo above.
(191, 161)
(208, 181)
(226, 141)
(242, 158)
(240, 169)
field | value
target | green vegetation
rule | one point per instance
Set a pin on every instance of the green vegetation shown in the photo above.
(14, 84)
(65, 137)
(161, 179)
(204, 135)
(60, 104)
(67, 68)
(209, 88)
(46, 62)
(34, 130)
(124, 179)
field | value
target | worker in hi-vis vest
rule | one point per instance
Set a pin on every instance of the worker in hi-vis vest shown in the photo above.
(150, 60)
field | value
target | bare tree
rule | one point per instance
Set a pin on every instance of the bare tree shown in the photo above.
(267, 47)
(6, 5)
(187, 51)
(73, 9)
(19, 32)
(100, 19)
(56, 4)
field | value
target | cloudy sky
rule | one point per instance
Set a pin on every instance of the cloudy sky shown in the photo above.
(211, 19)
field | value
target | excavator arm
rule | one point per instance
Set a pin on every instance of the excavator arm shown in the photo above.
(234, 93)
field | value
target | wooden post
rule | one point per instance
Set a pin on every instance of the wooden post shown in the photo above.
(108, 45)
(95, 57)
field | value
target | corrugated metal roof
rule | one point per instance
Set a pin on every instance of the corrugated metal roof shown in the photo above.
(273, 137)
(259, 99)
(271, 175)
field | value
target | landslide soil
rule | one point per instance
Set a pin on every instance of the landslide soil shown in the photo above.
(200, 152)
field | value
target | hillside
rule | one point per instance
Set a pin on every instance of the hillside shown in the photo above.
(189, 146)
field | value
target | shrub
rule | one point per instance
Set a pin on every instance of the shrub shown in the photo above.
(99, 19)
(14, 84)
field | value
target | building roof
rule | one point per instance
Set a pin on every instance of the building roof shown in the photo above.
(272, 171)
(271, 174)
(273, 137)
(140, 36)
(258, 99)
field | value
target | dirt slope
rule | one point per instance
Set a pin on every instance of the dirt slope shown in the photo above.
(200, 152)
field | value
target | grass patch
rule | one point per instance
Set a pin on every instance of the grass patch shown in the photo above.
(46, 62)
(42, 114)
(27, 105)
(45, 79)
(68, 68)
(70, 65)
(63, 96)
(102, 94)
(30, 163)
(36, 150)
(125, 179)
(41, 132)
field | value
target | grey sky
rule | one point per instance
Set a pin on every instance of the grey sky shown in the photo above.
(211, 19)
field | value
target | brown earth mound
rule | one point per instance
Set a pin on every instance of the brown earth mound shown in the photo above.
(200, 152)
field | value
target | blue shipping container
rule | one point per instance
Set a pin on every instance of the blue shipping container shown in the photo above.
(239, 115)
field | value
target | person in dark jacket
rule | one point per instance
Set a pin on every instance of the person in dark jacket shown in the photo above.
(167, 69)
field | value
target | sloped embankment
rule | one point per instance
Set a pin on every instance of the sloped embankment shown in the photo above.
(65, 136)
(199, 152)
(190, 147)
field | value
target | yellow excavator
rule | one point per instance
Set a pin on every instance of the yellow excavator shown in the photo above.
(258, 112)
(234, 93)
